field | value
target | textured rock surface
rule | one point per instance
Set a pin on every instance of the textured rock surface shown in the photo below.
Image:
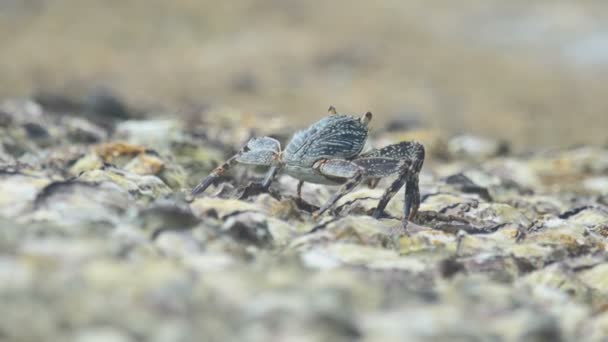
(99, 241)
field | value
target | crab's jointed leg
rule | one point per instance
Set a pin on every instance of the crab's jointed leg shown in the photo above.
(411, 154)
(299, 189)
(258, 151)
(355, 172)
(404, 159)
(340, 169)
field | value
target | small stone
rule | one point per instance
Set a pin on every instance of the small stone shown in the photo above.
(145, 164)
(596, 278)
(473, 147)
(202, 206)
(156, 134)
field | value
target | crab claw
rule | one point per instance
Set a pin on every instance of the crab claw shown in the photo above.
(204, 184)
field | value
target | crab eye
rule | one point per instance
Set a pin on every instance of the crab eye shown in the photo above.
(367, 117)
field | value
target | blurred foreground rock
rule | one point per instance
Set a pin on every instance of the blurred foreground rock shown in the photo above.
(99, 241)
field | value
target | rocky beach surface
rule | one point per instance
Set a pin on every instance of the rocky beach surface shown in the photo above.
(101, 241)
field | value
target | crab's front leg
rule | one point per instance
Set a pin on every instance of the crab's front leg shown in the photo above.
(258, 151)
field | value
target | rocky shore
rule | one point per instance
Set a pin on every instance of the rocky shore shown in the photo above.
(100, 241)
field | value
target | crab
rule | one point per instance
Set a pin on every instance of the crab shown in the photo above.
(330, 152)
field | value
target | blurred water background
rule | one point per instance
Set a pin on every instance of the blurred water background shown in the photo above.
(531, 72)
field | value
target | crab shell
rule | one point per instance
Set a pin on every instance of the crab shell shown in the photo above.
(333, 137)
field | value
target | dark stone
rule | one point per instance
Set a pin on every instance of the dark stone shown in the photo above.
(450, 267)
(105, 103)
(466, 185)
(36, 131)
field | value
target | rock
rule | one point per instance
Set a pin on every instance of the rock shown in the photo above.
(570, 238)
(476, 148)
(113, 152)
(18, 192)
(596, 278)
(166, 214)
(142, 186)
(106, 104)
(204, 206)
(592, 217)
(249, 228)
(362, 230)
(555, 278)
(155, 134)
(88, 162)
(84, 132)
(145, 164)
(101, 240)
(14, 274)
(75, 204)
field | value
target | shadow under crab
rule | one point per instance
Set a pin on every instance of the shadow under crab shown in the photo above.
(330, 152)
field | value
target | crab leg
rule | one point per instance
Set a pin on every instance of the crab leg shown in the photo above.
(344, 189)
(270, 176)
(299, 189)
(214, 175)
(388, 194)
(258, 151)
(356, 171)
(339, 169)
(412, 197)
(411, 155)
